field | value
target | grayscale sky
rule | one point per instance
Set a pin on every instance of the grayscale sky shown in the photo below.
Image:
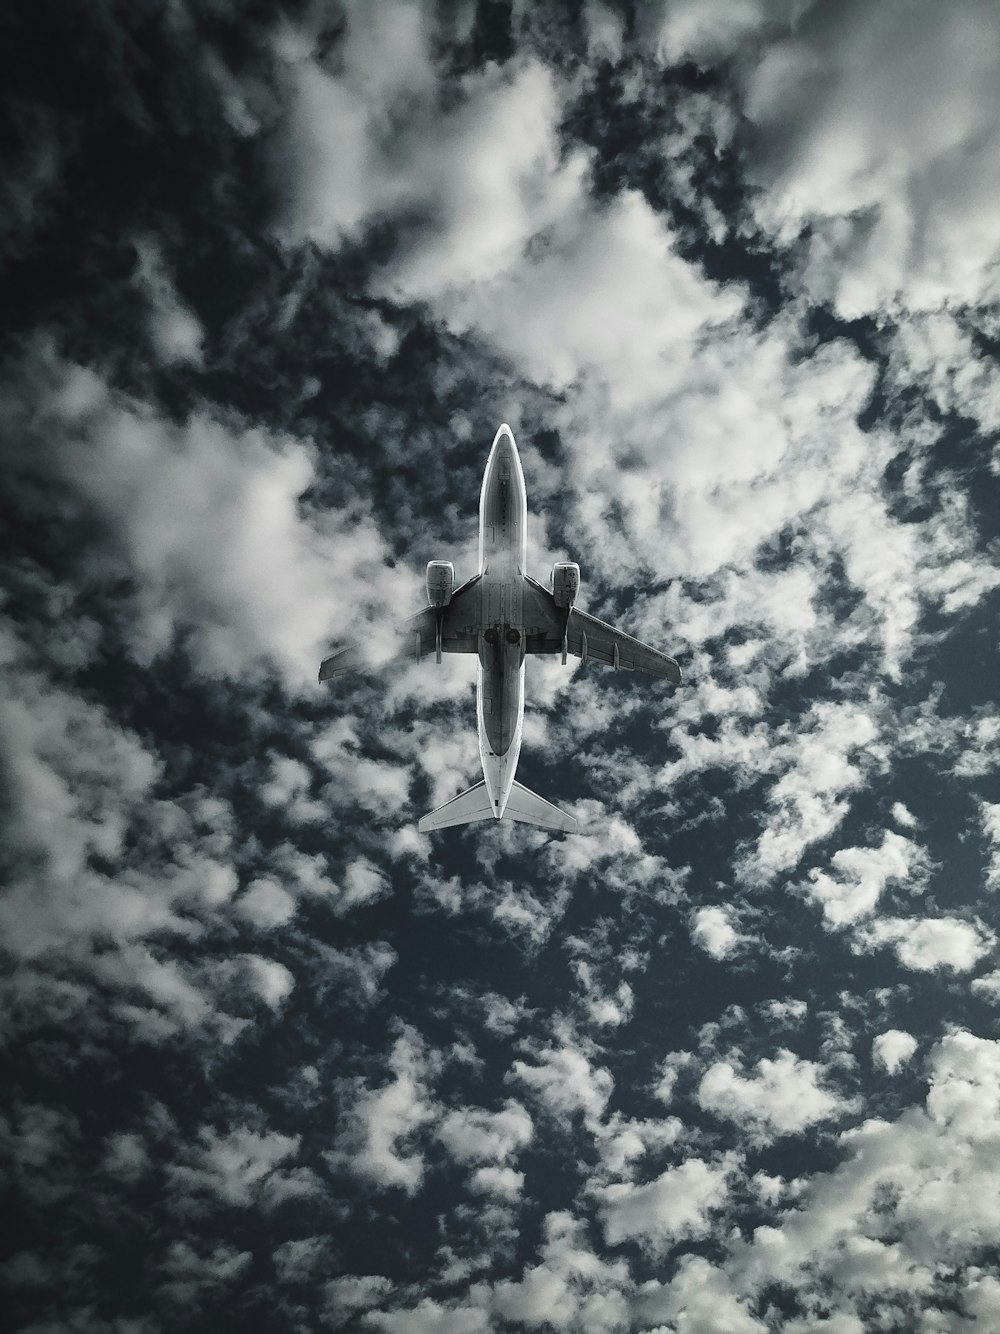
(727, 1062)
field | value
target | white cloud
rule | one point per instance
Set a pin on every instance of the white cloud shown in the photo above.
(231, 1167)
(676, 1205)
(893, 1049)
(878, 139)
(604, 295)
(503, 1182)
(270, 980)
(902, 815)
(911, 1200)
(990, 816)
(565, 1082)
(265, 904)
(207, 517)
(709, 30)
(190, 1272)
(862, 874)
(429, 1317)
(570, 1287)
(700, 1300)
(475, 1135)
(824, 763)
(927, 943)
(713, 931)
(988, 987)
(379, 1142)
(346, 1296)
(363, 883)
(781, 1097)
(481, 176)
(175, 332)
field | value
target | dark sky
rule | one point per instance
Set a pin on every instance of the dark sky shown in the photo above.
(727, 1061)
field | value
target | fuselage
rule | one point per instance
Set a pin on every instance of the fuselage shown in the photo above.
(503, 518)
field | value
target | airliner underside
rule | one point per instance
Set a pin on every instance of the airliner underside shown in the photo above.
(501, 614)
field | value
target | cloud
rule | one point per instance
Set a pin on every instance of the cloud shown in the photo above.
(875, 144)
(675, 1206)
(206, 517)
(346, 1296)
(232, 1168)
(925, 944)
(467, 184)
(700, 1298)
(174, 330)
(990, 816)
(265, 904)
(566, 1083)
(781, 1097)
(714, 932)
(862, 874)
(893, 1049)
(823, 764)
(475, 1135)
(503, 1182)
(571, 1286)
(191, 1275)
(379, 1143)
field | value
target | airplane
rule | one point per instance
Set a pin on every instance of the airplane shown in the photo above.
(501, 614)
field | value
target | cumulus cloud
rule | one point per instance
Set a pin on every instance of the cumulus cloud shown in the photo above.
(713, 931)
(206, 518)
(380, 1143)
(566, 1082)
(175, 331)
(677, 1204)
(860, 875)
(990, 815)
(925, 944)
(231, 1167)
(893, 1049)
(475, 1135)
(824, 765)
(779, 1097)
(877, 141)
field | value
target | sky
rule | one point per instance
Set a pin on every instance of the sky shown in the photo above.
(728, 1060)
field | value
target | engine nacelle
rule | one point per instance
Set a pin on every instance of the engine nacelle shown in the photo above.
(565, 583)
(440, 582)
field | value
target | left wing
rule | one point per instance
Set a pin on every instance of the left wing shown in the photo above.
(417, 636)
(588, 638)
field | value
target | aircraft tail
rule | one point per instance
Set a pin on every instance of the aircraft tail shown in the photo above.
(474, 804)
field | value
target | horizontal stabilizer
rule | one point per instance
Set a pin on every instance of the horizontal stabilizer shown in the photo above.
(527, 806)
(469, 806)
(522, 804)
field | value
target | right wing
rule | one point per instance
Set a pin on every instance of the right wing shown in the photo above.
(588, 638)
(416, 637)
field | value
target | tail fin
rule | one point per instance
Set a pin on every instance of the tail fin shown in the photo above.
(527, 806)
(475, 804)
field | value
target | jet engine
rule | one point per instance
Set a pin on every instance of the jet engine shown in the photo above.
(565, 583)
(440, 582)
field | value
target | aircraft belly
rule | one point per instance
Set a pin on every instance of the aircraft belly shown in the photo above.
(502, 715)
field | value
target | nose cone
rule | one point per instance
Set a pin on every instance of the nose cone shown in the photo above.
(504, 440)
